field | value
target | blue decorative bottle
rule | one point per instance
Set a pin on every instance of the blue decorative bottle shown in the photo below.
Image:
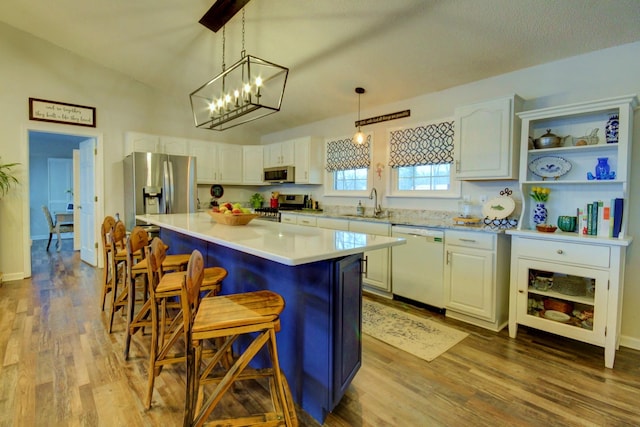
(611, 129)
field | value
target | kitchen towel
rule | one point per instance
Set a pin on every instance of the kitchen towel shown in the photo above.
(421, 337)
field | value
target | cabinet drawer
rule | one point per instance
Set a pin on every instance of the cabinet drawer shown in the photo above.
(565, 252)
(470, 239)
(308, 221)
(288, 219)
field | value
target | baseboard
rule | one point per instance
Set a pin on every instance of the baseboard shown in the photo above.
(630, 342)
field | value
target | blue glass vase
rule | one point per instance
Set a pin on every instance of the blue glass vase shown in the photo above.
(611, 129)
(602, 168)
(540, 214)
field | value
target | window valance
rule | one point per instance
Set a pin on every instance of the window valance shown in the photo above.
(343, 154)
(430, 144)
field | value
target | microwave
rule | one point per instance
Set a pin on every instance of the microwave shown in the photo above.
(279, 174)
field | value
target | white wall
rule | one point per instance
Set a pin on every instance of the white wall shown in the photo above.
(34, 68)
(602, 74)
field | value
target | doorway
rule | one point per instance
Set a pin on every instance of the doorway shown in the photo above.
(48, 142)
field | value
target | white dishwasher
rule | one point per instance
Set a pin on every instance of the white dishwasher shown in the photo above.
(417, 268)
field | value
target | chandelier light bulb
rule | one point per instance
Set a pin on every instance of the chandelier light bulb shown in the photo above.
(258, 81)
(358, 138)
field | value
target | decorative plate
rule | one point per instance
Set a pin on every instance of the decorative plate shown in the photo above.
(499, 207)
(558, 316)
(549, 166)
(216, 191)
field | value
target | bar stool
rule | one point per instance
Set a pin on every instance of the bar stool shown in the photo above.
(108, 275)
(229, 317)
(163, 288)
(135, 243)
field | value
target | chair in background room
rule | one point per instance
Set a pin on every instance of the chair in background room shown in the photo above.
(55, 227)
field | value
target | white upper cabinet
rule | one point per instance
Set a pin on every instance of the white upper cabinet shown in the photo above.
(308, 160)
(175, 146)
(141, 143)
(252, 161)
(230, 163)
(487, 139)
(279, 154)
(206, 153)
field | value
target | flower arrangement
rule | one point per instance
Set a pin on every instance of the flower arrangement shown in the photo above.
(540, 194)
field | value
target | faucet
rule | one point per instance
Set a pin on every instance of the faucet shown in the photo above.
(377, 210)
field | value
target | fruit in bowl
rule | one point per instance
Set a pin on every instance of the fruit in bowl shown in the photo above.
(546, 228)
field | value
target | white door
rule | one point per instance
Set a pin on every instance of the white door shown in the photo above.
(88, 250)
(60, 184)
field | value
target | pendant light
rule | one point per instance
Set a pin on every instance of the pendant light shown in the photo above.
(358, 138)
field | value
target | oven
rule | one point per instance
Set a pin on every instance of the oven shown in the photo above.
(286, 202)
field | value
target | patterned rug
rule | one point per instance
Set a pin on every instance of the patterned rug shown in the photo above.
(423, 338)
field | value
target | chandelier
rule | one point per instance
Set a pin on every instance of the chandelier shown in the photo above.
(358, 138)
(248, 90)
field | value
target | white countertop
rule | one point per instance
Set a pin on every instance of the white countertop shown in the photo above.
(283, 243)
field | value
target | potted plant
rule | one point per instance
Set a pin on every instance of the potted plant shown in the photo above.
(6, 178)
(256, 200)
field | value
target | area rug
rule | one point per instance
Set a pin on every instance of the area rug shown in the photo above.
(421, 337)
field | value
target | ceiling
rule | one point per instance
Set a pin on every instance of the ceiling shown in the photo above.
(394, 49)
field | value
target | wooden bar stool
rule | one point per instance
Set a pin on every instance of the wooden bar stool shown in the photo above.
(229, 317)
(134, 244)
(163, 288)
(108, 276)
(119, 262)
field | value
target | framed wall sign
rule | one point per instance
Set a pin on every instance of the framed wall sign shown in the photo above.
(61, 112)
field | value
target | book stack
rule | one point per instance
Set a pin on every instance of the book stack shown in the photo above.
(602, 219)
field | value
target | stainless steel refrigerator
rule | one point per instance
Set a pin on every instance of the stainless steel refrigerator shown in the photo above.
(158, 183)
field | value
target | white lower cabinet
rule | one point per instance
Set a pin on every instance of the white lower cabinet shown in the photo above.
(333, 223)
(376, 276)
(476, 278)
(568, 286)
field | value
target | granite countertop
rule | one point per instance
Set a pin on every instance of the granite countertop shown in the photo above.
(440, 222)
(279, 242)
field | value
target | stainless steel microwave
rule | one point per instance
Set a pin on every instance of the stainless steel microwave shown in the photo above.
(279, 174)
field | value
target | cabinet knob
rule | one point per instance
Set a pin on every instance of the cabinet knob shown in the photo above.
(521, 291)
(560, 251)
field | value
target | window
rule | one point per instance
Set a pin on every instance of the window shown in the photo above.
(424, 177)
(421, 158)
(351, 179)
(348, 165)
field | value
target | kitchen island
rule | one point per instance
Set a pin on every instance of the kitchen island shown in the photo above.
(318, 273)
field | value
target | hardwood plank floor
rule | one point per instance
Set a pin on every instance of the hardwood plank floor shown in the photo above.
(59, 367)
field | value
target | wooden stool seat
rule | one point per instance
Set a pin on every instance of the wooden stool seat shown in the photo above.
(226, 318)
(171, 283)
(217, 315)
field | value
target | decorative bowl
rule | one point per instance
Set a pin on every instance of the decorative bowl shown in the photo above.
(546, 228)
(232, 219)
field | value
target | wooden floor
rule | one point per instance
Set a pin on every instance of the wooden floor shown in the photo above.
(59, 367)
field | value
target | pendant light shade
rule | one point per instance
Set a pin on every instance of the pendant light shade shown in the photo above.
(358, 138)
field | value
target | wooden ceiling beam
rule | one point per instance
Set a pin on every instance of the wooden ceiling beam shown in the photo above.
(221, 12)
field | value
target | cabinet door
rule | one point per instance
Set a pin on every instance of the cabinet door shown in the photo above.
(230, 163)
(141, 142)
(333, 223)
(175, 146)
(469, 282)
(376, 272)
(288, 218)
(206, 153)
(485, 140)
(252, 158)
(302, 161)
(579, 293)
(287, 153)
(347, 347)
(272, 155)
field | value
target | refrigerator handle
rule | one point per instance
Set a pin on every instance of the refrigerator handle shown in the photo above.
(167, 187)
(172, 185)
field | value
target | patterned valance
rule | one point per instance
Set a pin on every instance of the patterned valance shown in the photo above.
(422, 145)
(343, 154)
